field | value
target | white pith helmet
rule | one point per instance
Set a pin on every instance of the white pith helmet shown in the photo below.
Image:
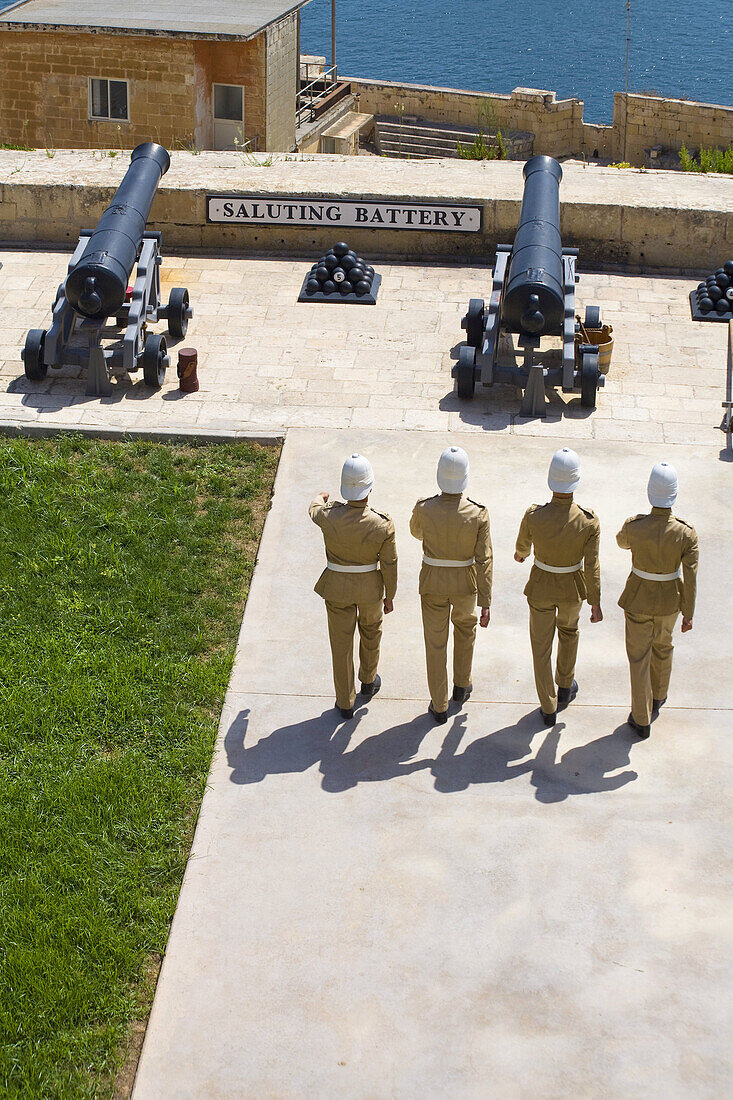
(453, 470)
(564, 473)
(357, 478)
(662, 487)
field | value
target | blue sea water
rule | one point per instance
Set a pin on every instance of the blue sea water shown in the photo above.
(573, 47)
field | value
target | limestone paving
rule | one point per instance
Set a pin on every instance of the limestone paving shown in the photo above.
(267, 363)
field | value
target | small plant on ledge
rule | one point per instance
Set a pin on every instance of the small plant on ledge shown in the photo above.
(707, 160)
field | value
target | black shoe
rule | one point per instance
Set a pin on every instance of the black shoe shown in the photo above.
(461, 694)
(549, 719)
(345, 712)
(440, 716)
(643, 731)
(565, 696)
(657, 704)
(370, 690)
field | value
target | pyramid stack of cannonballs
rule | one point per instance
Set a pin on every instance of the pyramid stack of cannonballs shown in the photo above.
(713, 299)
(341, 275)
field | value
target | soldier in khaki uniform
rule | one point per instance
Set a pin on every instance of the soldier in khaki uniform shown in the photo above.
(662, 583)
(359, 581)
(565, 572)
(455, 577)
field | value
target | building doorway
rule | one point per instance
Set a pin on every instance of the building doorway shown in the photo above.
(228, 103)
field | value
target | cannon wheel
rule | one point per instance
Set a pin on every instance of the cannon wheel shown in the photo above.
(33, 360)
(178, 311)
(589, 373)
(592, 317)
(475, 322)
(466, 372)
(154, 357)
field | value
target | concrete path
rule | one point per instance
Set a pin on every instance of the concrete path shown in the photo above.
(387, 909)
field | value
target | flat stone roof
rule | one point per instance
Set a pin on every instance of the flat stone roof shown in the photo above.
(217, 19)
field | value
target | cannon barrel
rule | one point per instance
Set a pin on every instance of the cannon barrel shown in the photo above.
(534, 301)
(97, 285)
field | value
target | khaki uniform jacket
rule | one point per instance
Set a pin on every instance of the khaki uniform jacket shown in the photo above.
(453, 527)
(562, 534)
(660, 543)
(355, 534)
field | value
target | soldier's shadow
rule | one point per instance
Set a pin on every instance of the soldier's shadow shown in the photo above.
(384, 756)
(585, 769)
(487, 759)
(294, 748)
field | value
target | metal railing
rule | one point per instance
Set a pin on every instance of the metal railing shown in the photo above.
(309, 97)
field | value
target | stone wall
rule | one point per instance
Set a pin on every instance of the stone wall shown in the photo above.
(44, 89)
(225, 62)
(558, 125)
(654, 219)
(668, 122)
(281, 83)
(44, 80)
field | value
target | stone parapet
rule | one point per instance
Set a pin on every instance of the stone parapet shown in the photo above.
(654, 219)
(640, 122)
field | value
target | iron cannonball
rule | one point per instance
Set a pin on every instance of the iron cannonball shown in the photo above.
(345, 287)
(719, 271)
(723, 281)
(329, 287)
(362, 287)
(706, 305)
(369, 270)
(356, 273)
(728, 267)
(348, 262)
(312, 286)
(322, 273)
(330, 262)
(715, 293)
(341, 249)
(722, 305)
(701, 287)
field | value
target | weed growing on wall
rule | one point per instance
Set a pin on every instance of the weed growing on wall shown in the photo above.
(707, 160)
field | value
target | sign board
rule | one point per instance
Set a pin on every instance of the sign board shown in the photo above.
(345, 213)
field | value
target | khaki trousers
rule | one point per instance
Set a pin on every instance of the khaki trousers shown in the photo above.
(342, 622)
(544, 620)
(649, 649)
(437, 611)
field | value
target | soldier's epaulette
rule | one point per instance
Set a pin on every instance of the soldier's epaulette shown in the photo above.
(476, 502)
(588, 512)
(383, 515)
(639, 515)
(684, 522)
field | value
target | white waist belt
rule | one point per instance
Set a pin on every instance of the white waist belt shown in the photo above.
(655, 576)
(558, 568)
(352, 568)
(446, 563)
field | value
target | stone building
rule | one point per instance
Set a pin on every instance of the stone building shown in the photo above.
(75, 74)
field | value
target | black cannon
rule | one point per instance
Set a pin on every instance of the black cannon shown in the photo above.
(533, 296)
(96, 288)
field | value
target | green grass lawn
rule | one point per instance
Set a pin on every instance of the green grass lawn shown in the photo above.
(124, 568)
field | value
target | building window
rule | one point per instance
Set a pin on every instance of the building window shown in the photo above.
(108, 100)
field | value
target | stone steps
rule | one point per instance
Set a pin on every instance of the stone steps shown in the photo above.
(421, 140)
